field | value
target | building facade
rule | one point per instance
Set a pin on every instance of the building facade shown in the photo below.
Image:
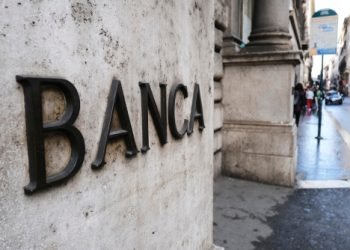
(341, 70)
(259, 75)
(137, 177)
(116, 116)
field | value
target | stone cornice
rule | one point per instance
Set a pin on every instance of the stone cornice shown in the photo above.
(259, 126)
(267, 57)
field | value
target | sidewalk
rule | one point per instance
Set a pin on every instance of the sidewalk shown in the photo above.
(241, 210)
(250, 215)
(327, 160)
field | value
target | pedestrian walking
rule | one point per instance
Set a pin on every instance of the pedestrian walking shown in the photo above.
(299, 102)
(309, 99)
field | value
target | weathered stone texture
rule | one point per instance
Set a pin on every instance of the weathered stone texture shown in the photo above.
(221, 14)
(217, 141)
(259, 138)
(218, 116)
(218, 39)
(217, 164)
(259, 152)
(217, 91)
(158, 200)
(219, 68)
(264, 93)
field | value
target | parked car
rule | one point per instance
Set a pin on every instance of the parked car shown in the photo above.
(333, 97)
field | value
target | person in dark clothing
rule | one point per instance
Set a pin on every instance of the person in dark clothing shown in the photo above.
(299, 101)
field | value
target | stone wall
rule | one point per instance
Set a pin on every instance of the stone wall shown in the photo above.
(221, 22)
(260, 142)
(161, 199)
(259, 135)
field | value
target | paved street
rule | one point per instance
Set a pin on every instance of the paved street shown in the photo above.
(312, 219)
(341, 113)
(250, 215)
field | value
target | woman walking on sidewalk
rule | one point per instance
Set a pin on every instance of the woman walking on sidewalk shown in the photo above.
(309, 99)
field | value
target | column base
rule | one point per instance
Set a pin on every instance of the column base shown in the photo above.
(259, 133)
(268, 41)
(260, 152)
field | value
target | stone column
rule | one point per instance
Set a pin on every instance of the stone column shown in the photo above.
(270, 29)
(259, 134)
